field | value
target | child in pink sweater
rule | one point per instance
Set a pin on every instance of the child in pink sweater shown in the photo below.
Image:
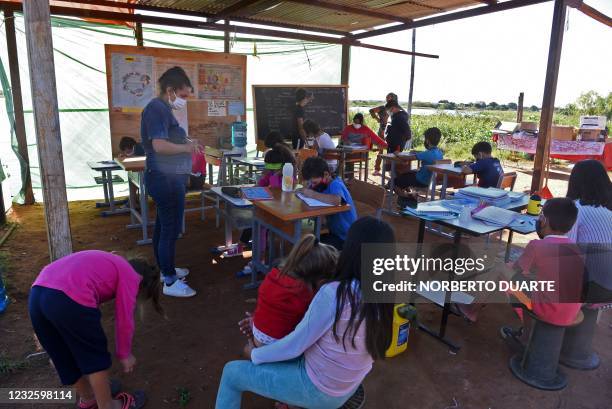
(64, 309)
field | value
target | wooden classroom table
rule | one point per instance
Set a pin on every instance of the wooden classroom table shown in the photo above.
(474, 228)
(139, 219)
(347, 154)
(283, 216)
(106, 168)
(445, 170)
(231, 211)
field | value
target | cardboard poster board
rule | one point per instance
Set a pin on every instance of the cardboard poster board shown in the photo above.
(219, 95)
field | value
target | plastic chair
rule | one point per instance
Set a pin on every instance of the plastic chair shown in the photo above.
(507, 180)
(357, 400)
(577, 350)
(367, 193)
(300, 157)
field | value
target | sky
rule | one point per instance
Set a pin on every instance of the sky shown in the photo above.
(490, 58)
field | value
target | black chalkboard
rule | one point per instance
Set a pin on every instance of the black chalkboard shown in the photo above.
(273, 105)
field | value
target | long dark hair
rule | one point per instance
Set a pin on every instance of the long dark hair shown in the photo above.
(150, 286)
(590, 184)
(378, 317)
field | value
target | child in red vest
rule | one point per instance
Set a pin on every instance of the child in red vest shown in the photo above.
(287, 291)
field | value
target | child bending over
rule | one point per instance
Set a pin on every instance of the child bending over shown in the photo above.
(64, 308)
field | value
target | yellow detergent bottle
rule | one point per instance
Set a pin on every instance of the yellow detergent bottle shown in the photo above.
(403, 314)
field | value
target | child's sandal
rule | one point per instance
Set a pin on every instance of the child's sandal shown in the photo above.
(135, 400)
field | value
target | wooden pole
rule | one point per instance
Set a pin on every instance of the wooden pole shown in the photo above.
(550, 89)
(519, 108)
(2, 208)
(46, 121)
(139, 34)
(20, 131)
(345, 69)
(411, 77)
(226, 38)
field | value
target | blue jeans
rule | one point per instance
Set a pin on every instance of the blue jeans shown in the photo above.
(168, 192)
(285, 382)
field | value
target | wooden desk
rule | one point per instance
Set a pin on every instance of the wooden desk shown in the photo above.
(283, 216)
(445, 170)
(344, 155)
(139, 218)
(231, 211)
(473, 227)
(394, 159)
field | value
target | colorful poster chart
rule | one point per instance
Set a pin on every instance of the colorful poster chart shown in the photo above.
(132, 80)
(216, 81)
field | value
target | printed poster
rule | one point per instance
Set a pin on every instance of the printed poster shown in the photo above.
(216, 81)
(217, 108)
(133, 86)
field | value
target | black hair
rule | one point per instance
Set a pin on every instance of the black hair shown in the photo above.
(272, 139)
(126, 143)
(310, 261)
(311, 127)
(433, 136)
(301, 94)
(482, 147)
(392, 95)
(150, 286)
(314, 167)
(279, 154)
(378, 317)
(561, 213)
(358, 117)
(590, 184)
(175, 78)
(392, 104)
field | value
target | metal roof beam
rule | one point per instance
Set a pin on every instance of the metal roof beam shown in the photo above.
(352, 10)
(473, 12)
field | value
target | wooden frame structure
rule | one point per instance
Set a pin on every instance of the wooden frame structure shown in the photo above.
(37, 18)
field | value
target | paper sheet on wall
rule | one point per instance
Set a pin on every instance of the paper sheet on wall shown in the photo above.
(218, 81)
(235, 108)
(132, 80)
(217, 108)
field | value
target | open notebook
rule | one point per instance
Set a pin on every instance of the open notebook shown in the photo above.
(312, 202)
(495, 215)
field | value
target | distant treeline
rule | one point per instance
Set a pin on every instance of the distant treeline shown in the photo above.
(445, 104)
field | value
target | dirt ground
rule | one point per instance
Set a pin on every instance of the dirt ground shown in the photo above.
(183, 353)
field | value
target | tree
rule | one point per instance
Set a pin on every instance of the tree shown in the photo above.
(480, 104)
(534, 108)
(493, 105)
(591, 103)
(512, 105)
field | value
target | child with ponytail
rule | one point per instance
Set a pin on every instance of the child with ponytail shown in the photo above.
(286, 292)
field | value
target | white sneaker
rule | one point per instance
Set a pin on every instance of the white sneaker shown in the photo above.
(179, 289)
(180, 274)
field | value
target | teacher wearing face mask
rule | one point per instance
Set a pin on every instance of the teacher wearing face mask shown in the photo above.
(168, 166)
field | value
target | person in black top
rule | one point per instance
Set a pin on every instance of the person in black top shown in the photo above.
(398, 131)
(298, 136)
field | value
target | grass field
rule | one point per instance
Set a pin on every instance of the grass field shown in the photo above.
(461, 131)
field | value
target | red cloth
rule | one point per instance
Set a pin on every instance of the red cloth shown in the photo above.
(606, 158)
(556, 259)
(198, 163)
(281, 304)
(368, 137)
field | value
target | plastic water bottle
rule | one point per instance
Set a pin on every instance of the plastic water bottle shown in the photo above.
(287, 177)
(239, 134)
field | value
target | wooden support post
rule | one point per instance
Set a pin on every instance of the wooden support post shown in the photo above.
(20, 131)
(46, 121)
(346, 64)
(519, 108)
(139, 34)
(411, 77)
(226, 38)
(2, 209)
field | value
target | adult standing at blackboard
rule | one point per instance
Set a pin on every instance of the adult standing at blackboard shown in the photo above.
(398, 132)
(298, 136)
(168, 166)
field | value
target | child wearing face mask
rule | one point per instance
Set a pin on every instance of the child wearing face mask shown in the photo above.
(487, 168)
(553, 257)
(329, 189)
(358, 133)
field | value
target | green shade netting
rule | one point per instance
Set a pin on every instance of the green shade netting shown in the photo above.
(82, 93)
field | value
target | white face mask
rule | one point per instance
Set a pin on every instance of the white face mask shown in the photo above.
(178, 103)
(356, 126)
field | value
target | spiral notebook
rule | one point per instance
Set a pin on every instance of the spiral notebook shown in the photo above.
(257, 193)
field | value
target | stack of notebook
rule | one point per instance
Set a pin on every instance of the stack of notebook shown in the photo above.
(491, 196)
(432, 211)
(495, 215)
